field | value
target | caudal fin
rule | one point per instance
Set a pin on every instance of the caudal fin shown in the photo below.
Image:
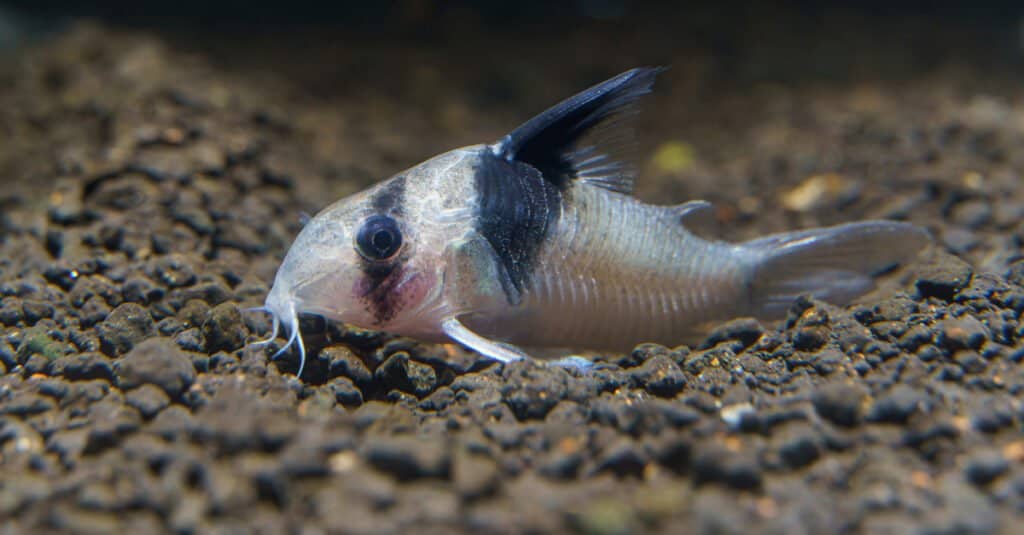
(836, 264)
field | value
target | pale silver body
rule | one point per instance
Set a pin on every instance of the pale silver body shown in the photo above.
(617, 271)
(535, 241)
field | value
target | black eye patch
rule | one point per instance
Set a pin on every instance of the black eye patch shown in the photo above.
(379, 238)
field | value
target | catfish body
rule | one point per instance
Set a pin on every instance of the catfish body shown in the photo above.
(536, 241)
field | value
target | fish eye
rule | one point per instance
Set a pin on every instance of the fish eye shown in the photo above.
(378, 238)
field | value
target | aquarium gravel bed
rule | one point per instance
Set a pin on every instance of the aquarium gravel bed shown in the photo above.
(149, 193)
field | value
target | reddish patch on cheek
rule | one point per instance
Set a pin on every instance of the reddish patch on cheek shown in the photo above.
(385, 293)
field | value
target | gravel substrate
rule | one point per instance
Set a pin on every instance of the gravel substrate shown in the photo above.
(149, 193)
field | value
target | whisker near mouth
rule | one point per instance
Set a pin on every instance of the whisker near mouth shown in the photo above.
(302, 349)
(291, 340)
(273, 334)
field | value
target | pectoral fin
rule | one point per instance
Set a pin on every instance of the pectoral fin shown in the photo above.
(489, 348)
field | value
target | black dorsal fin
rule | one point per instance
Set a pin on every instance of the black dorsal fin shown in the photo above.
(578, 138)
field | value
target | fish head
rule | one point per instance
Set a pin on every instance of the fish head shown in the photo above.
(376, 259)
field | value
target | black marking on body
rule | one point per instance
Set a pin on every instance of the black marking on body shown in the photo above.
(390, 199)
(376, 288)
(516, 211)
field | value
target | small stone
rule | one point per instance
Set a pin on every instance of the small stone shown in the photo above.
(401, 373)
(984, 468)
(148, 399)
(11, 311)
(959, 240)
(173, 271)
(408, 457)
(27, 404)
(141, 290)
(223, 328)
(660, 376)
(738, 470)
(194, 313)
(93, 311)
(622, 458)
(971, 361)
(126, 326)
(965, 332)
(744, 330)
(475, 476)
(342, 362)
(798, 445)
(897, 405)
(345, 392)
(190, 340)
(915, 337)
(36, 310)
(810, 337)
(943, 279)
(156, 361)
(68, 444)
(439, 400)
(840, 403)
(532, 391)
(972, 214)
(87, 366)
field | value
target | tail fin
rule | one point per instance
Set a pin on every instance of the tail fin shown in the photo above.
(834, 263)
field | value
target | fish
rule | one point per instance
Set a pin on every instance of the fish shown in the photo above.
(536, 241)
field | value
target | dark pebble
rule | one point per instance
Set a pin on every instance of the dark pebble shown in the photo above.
(734, 469)
(623, 458)
(439, 400)
(141, 290)
(660, 376)
(93, 311)
(798, 445)
(223, 328)
(810, 338)
(345, 392)
(27, 404)
(971, 362)
(959, 240)
(965, 332)
(972, 214)
(744, 330)
(11, 311)
(87, 366)
(840, 403)
(148, 399)
(156, 361)
(36, 310)
(401, 373)
(407, 457)
(642, 353)
(897, 405)
(984, 468)
(68, 444)
(173, 271)
(190, 340)
(943, 279)
(475, 476)
(213, 293)
(915, 337)
(125, 327)
(560, 464)
(342, 362)
(531, 393)
(828, 361)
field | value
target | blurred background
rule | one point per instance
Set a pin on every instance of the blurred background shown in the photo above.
(379, 86)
